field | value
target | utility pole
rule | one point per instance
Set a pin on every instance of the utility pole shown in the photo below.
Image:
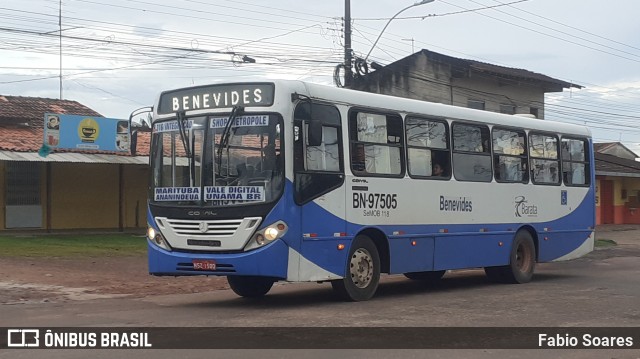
(60, 29)
(348, 74)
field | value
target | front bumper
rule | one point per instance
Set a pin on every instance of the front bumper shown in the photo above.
(269, 261)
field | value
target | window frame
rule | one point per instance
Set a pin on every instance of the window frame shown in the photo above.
(487, 153)
(484, 104)
(586, 162)
(328, 180)
(23, 183)
(353, 141)
(531, 157)
(511, 107)
(525, 156)
(447, 130)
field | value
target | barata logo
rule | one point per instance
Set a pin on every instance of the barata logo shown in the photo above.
(523, 208)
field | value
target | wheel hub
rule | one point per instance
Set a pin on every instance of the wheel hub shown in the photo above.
(361, 268)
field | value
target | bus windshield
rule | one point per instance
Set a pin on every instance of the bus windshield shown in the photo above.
(192, 169)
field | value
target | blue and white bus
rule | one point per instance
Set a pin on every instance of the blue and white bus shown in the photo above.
(291, 181)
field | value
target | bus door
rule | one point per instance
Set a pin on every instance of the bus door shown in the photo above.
(319, 191)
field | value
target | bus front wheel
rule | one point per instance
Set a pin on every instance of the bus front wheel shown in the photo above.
(363, 271)
(522, 262)
(250, 287)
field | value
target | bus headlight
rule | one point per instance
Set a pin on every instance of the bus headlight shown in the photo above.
(267, 235)
(151, 233)
(271, 233)
(157, 238)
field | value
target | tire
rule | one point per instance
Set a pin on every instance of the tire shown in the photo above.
(250, 287)
(427, 277)
(522, 262)
(362, 275)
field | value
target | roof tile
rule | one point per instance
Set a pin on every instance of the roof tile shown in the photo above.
(22, 123)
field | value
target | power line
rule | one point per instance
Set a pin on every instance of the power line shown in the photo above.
(562, 32)
(439, 15)
(569, 26)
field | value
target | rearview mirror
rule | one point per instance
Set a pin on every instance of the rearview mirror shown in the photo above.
(139, 120)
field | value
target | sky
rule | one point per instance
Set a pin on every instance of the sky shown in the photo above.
(118, 55)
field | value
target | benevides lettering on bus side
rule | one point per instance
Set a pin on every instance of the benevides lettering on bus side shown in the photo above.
(217, 99)
(460, 204)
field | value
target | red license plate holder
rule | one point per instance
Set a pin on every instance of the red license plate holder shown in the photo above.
(204, 264)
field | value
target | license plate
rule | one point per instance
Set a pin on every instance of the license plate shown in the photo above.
(204, 264)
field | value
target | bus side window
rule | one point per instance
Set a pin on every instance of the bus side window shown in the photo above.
(428, 153)
(545, 162)
(575, 162)
(510, 155)
(471, 152)
(376, 144)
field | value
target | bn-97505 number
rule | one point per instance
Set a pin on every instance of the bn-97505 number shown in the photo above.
(375, 200)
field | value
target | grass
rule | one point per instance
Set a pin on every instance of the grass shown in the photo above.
(76, 245)
(605, 243)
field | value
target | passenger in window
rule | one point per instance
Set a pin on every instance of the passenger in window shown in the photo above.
(554, 174)
(438, 170)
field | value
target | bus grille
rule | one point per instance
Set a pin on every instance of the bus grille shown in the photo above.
(204, 228)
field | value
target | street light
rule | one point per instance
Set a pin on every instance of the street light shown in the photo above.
(388, 22)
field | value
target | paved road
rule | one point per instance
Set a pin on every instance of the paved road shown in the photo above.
(600, 290)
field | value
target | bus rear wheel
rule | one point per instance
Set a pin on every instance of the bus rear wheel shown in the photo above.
(250, 286)
(521, 264)
(427, 277)
(363, 271)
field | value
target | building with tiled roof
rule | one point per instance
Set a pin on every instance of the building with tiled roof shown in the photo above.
(21, 120)
(22, 124)
(616, 149)
(65, 190)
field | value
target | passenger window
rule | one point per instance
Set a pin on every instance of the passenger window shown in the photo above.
(376, 144)
(471, 153)
(575, 162)
(317, 169)
(325, 157)
(428, 148)
(510, 156)
(545, 164)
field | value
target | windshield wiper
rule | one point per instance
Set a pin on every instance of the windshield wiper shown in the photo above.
(182, 127)
(224, 139)
(181, 118)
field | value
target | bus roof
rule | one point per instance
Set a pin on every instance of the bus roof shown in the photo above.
(418, 107)
(284, 88)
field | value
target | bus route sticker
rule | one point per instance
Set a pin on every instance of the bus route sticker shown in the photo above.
(234, 193)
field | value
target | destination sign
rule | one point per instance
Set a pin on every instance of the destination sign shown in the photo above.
(216, 96)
